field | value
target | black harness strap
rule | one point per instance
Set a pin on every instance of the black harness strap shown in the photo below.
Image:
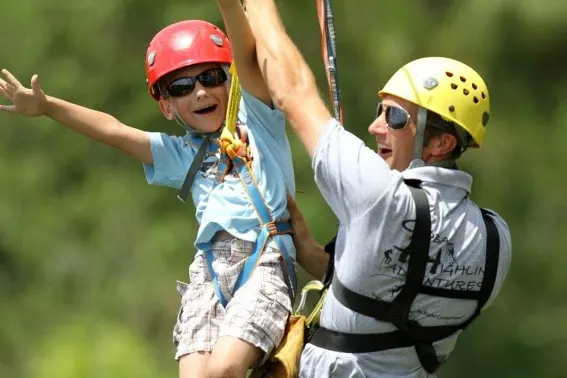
(409, 332)
(490, 265)
(194, 168)
(419, 255)
(330, 271)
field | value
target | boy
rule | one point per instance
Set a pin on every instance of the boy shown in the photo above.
(187, 72)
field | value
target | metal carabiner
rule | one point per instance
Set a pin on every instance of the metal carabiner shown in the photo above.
(310, 286)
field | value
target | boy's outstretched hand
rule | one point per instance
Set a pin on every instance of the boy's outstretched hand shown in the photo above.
(26, 101)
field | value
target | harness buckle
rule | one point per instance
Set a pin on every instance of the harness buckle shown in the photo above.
(272, 228)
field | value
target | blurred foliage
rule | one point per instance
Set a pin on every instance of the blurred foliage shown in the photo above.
(89, 253)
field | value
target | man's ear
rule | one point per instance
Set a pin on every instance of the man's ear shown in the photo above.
(166, 109)
(444, 144)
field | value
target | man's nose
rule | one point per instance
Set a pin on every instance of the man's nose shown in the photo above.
(378, 126)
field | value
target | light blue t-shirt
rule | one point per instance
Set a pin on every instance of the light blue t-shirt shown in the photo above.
(227, 206)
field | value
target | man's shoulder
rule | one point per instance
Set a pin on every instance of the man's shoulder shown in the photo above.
(498, 219)
(503, 230)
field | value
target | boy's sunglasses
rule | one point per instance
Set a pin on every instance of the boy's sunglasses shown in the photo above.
(396, 117)
(185, 85)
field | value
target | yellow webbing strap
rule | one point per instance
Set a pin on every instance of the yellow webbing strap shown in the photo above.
(230, 144)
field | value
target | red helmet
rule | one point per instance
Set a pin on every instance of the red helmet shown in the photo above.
(184, 44)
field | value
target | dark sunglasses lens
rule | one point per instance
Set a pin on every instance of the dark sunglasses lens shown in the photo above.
(185, 85)
(212, 78)
(396, 118)
(181, 87)
(379, 110)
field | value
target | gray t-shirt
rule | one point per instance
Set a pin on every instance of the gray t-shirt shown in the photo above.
(376, 211)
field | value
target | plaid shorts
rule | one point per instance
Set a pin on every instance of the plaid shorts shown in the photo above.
(257, 313)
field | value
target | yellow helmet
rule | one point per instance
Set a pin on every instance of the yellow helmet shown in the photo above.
(447, 87)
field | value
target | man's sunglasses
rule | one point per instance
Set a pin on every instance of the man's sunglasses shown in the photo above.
(185, 85)
(396, 117)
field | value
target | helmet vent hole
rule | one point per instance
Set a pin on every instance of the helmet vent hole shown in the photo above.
(449, 74)
(483, 95)
(454, 86)
(466, 92)
(463, 79)
(475, 100)
(474, 86)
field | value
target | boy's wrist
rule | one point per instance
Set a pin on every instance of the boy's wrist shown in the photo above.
(49, 106)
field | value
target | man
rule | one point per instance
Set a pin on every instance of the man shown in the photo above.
(415, 259)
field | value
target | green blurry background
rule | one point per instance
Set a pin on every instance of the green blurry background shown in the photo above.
(89, 253)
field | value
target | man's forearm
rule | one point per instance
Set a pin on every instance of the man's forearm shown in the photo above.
(311, 256)
(280, 61)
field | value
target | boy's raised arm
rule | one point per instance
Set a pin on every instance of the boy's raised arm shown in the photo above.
(94, 124)
(244, 49)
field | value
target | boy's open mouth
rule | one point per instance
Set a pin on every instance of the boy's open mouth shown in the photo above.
(206, 109)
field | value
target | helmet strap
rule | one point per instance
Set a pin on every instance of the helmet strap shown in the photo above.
(417, 160)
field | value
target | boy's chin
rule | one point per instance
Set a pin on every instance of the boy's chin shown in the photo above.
(209, 127)
(206, 125)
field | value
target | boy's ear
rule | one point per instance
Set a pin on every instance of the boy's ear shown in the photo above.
(166, 109)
